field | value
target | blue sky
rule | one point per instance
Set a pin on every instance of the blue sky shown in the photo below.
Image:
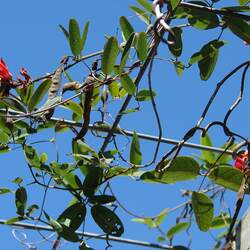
(31, 38)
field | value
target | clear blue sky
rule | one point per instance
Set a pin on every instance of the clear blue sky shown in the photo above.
(31, 38)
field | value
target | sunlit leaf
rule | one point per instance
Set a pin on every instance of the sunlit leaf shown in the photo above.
(145, 95)
(75, 40)
(128, 84)
(209, 156)
(84, 35)
(141, 14)
(141, 46)
(178, 228)
(126, 28)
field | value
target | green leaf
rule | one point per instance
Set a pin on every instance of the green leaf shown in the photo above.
(126, 51)
(178, 228)
(141, 14)
(21, 199)
(146, 5)
(92, 180)
(5, 191)
(4, 137)
(53, 223)
(13, 103)
(84, 35)
(110, 53)
(243, 2)
(31, 156)
(144, 95)
(225, 158)
(102, 199)
(68, 234)
(203, 20)
(147, 221)
(174, 3)
(179, 67)
(75, 40)
(227, 177)
(182, 168)
(31, 209)
(39, 93)
(107, 220)
(114, 89)
(73, 216)
(207, 58)
(141, 46)
(135, 151)
(221, 221)
(161, 217)
(128, 84)
(17, 180)
(176, 42)
(209, 156)
(14, 220)
(203, 209)
(65, 32)
(74, 107)
(126, 28)
(239, 27)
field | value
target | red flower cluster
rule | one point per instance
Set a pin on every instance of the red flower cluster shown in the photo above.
(5, 75)
(241, 162)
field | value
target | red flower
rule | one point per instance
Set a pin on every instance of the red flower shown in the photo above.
(5, 75)
(241, 162)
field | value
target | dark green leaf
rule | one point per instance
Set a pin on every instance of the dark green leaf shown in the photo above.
(239, 27)
(12, 103)
(21, 199)
(128, 84)
(31, 209)
(141, 46)
(227, 177)
(128, 111)
(84, 35)
(177, 229)
(180, 248)
(203, 20)
(92, 180)
(203, 209)
(207, 58)
(75, 40)
(107, 220)
(73, 216)
(68, 234)
(174, 3)
(176, 42)
(102, 199)
(144, 95)
(110, 53)
(126, 28)
(31, 156)
(126, 51)
(182, 168)
(135, 151)
(38, 95)
(65, 32)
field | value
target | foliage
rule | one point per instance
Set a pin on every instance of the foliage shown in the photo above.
(28, 105)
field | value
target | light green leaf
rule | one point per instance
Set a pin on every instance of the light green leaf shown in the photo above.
(178, 228)
(144, 95)
(128, 84)
(203, 210)
(208, 156)
(174, 3)
(141, 14)
(146, 5)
